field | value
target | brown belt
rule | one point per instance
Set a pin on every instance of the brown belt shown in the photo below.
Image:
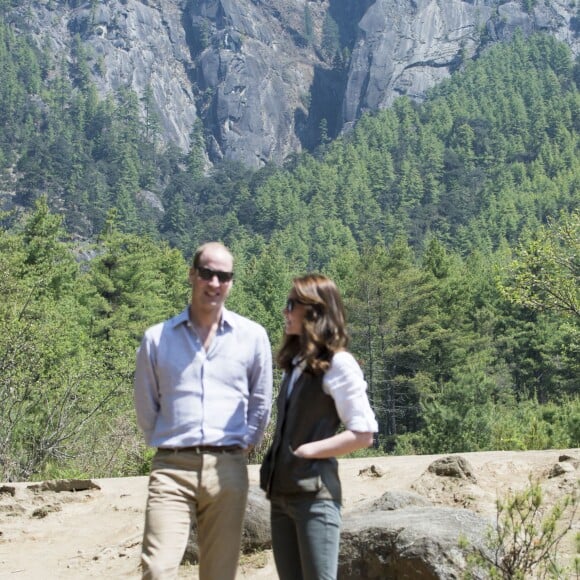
(204, 449)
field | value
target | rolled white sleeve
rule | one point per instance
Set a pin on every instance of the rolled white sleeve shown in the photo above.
(344, 382)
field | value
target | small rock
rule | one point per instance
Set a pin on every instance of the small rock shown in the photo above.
(59, 485)
(372, 471)
(452, 466)
(43, 511)
(10, 489)
(561, 469)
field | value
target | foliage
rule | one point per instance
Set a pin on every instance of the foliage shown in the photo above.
(84, 154)
(525, 540)
(308, 25)
(496, 426)
(47, 368)
(545, 275)
(67, 343)
(330, 44)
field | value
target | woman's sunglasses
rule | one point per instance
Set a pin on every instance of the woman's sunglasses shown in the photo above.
(291, 304)
(207, 274)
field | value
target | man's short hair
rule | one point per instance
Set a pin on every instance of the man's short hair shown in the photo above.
(201, 249)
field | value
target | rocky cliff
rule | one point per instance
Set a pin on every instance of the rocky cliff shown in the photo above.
(406, 47)
(267, 78)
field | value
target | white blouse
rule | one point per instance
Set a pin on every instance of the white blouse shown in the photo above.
(344, 382)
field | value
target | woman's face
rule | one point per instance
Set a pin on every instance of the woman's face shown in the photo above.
(294, 315)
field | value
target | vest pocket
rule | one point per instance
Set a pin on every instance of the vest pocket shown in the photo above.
(307, 484)
(303, 475)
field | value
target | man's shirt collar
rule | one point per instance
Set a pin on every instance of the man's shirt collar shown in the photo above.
(227, 319)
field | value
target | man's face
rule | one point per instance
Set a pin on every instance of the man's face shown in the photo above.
(208, 292)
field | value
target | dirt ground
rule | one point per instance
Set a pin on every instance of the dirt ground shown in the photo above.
(96, 533)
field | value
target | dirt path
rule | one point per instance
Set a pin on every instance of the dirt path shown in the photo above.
(96, 533)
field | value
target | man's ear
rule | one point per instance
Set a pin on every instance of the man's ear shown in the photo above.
(191, 275)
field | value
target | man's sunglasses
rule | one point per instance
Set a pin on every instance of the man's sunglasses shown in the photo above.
(208, 274)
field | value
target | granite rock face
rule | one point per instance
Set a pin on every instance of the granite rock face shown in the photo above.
(265, 76)
(250, 63)
(128, 44)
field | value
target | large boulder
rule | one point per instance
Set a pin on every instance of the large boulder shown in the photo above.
(412, 543)
(398, 535)
(256, 534)
(393, 500)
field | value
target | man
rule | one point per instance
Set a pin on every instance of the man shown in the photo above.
(203, 389)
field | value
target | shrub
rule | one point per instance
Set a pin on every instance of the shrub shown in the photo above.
(525, 540)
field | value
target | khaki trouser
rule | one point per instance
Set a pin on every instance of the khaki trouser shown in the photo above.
(212, 487)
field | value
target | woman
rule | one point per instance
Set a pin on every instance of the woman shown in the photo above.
(322, 387)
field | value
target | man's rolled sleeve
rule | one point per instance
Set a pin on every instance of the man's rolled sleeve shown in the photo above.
(145, 390)
(260, 389)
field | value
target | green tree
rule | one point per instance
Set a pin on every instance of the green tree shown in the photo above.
(48, 379)
(196, 157)
(545, 275)
(138, 282)
(308, 25)
(330, 37)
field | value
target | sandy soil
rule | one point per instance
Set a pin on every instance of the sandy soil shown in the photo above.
(96, 533)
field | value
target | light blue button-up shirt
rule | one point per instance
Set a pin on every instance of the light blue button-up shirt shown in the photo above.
(185, 396)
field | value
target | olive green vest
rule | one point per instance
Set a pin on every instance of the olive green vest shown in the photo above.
(308, 414)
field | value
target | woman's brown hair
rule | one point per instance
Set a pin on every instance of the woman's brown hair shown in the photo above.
(324, 328)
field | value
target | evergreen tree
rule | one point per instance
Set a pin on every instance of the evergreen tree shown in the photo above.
(330, 37)
(50, 383)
